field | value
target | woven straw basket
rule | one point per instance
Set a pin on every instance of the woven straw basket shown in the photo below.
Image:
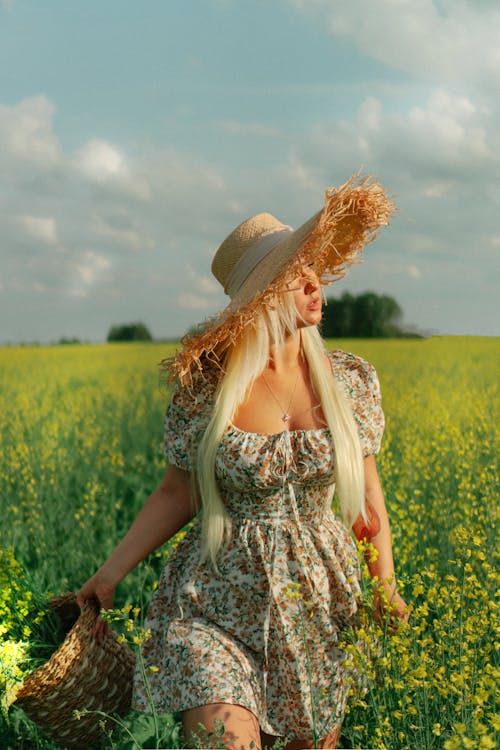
(83, 674)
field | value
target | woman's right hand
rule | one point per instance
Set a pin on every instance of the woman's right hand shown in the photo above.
(103, 589)
(165, 511)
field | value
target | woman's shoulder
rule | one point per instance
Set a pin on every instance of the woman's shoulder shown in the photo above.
(187, 415)
(359, 381)
(196, 396)
(352, 369)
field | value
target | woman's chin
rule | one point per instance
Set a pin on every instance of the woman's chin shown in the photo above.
(310, 319)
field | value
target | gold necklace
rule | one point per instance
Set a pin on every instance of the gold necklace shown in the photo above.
(286, 416)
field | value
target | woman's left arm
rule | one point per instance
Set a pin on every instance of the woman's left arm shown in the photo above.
(383, 566)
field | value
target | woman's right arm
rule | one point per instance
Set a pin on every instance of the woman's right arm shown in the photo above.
(164, 513)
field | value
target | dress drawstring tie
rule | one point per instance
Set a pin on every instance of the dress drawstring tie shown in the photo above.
(283, 464)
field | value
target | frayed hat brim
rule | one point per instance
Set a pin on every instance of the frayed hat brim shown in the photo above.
(331, 240)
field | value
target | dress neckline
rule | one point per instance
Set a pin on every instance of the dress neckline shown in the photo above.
(313, 430)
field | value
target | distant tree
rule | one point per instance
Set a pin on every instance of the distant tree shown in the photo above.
(65, 341)
(366, 315)
(338, 316)
(129, 332)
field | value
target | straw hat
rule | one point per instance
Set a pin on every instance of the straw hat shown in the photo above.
(258, 257)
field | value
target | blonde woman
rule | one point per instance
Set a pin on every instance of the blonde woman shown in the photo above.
(262, 426)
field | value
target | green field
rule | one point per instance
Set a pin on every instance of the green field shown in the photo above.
(81, 434)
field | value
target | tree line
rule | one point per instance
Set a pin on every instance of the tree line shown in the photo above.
(366, 315)
(129, 332)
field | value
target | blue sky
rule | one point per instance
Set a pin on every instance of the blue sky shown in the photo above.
(135, 135)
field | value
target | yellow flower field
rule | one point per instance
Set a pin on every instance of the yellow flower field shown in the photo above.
(81, 431)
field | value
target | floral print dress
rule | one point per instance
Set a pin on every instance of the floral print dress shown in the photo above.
(264, 631)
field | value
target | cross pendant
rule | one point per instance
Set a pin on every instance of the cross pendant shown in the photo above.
(285, 418)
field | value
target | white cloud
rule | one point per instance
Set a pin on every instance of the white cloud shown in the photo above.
(101, 161)
(201, 292)
(190, 301)
(440, 143)
(371, 113)
(454, 43)
(414, 272)
(436, 189)
(41, 228)
(108, 168)
(454, 123)
(175, 172)
(207, 285)
(92, 267)
(26, 133)
(88, 270)
(121, 236)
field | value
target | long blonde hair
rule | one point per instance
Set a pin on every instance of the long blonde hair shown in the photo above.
(242, 366)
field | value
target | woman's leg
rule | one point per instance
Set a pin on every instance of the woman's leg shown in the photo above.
(223, 725)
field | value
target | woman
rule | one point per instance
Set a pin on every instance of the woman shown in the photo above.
(263, 423)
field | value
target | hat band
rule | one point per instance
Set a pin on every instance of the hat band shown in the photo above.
(252, 257)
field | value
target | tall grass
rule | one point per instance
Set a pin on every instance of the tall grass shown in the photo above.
(81, 431)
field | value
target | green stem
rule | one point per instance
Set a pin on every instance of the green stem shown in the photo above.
(149, 695)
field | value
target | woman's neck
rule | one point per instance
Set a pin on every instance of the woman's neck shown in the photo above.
(286, 357)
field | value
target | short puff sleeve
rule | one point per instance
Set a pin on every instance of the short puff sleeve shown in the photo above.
(359, 381)
(186, 419)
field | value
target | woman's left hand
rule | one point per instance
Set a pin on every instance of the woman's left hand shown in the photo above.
(390, 607)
